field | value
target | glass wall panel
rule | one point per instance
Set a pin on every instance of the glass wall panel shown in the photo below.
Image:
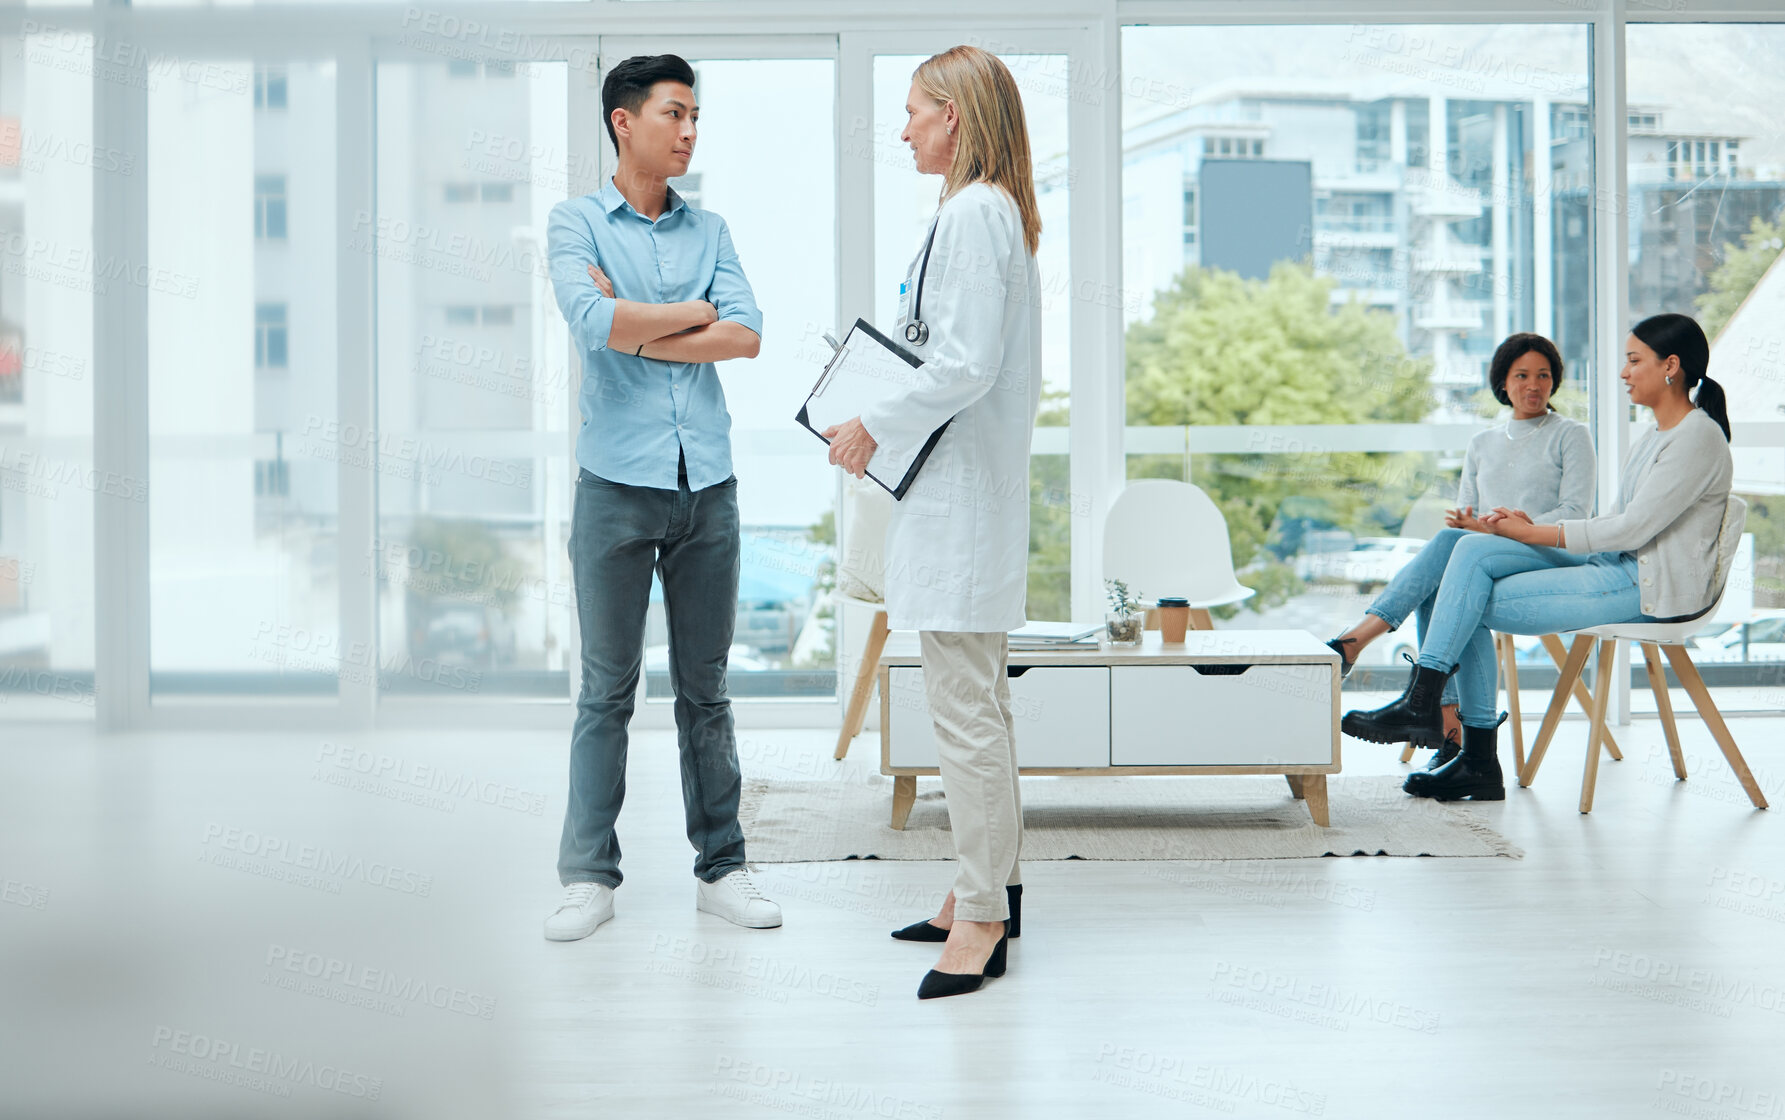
(1707, 223)
(904, 203)
(47, 278)
(472, 441)
(242, 375)
(783, 225)
(1326, 233)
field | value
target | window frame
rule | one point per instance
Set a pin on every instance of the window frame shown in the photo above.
(357, 36)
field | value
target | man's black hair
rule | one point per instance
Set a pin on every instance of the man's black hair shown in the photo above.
(629, 84)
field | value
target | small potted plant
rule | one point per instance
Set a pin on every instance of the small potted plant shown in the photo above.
(1123, 624)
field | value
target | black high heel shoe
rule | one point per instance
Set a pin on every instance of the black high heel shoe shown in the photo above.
(938, 984)
(924, 931)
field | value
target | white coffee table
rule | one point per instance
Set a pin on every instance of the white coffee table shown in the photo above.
(1220, 702)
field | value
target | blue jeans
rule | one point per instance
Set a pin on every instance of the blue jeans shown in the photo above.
(1414, 589)
(1493, 583)
(618, 535)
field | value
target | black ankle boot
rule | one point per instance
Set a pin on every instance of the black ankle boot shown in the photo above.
(1452, 747)
(1415, 718)
(1474, 773)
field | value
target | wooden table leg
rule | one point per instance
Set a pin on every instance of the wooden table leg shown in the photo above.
(1295, 785)
(1314, 788)
(904, 796)
(857, 714)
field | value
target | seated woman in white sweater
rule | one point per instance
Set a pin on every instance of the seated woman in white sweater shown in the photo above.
(1651, 559)
(1538, 460)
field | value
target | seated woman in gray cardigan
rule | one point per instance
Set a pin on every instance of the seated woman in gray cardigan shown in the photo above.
(1651, 559)
(1539, 460)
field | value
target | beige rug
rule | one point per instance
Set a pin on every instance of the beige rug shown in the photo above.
(1151, 818)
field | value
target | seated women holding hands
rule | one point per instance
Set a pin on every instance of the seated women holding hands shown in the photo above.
(1652, 559)
(1537, 460)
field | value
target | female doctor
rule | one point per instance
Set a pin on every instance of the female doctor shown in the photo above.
(957, 547)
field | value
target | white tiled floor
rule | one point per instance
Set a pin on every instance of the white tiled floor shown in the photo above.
(248, 925)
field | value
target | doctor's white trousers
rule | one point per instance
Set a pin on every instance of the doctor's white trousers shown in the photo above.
(968, 691)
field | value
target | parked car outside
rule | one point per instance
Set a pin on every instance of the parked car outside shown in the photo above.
(1370, 565)
(1763, 636)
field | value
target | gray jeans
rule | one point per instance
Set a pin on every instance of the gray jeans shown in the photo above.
(618, 535)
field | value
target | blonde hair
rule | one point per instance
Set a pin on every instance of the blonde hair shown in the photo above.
(993, 142)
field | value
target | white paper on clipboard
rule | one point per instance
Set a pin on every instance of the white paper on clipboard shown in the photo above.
(867, 369)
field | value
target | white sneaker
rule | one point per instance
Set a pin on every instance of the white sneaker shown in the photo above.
(585, 906)
(736, 899)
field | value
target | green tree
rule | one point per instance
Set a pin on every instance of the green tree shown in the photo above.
(1741, 269)
(823, 533)
(1050, 520)
(464, 559)
(1223, 350)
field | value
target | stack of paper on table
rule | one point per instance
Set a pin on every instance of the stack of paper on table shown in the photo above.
(1054, 635)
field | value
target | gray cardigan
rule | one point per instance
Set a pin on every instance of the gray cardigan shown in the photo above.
(1669, 512)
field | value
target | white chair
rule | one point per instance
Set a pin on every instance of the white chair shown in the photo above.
(1654, 637)
(1164, 537)
(861, 594)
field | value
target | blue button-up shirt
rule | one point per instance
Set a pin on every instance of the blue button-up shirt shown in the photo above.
(638, 413)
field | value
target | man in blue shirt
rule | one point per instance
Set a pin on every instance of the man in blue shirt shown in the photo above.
(654, 295)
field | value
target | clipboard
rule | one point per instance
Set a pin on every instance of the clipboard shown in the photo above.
(864, 370)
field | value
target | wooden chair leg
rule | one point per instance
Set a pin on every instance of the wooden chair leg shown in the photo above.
(1407, 753)
(1651, 656)
(1509, 673)
(1602, 674)
(1567, 677)
(1200, 620)
(1554, 645)
(857, 715)
(1707, 711)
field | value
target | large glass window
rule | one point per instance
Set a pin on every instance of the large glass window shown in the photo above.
(784, 644)
(1707, 224)
(47, 480)
(242, 375)
(904, 203)
(472, 442)
(1327, 231)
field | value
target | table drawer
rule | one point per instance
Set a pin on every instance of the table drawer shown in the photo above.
(1062, 716)
(1222, 715)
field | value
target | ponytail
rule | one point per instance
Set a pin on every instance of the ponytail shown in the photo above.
(1710, 398)
(1682, 337)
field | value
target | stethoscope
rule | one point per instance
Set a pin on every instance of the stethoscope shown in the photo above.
(917, 332)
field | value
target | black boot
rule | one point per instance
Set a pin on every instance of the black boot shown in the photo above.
(1452, 747)
(1475, 773)
(1415, 718)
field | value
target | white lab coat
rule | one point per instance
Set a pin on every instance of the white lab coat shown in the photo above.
(957, 547)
